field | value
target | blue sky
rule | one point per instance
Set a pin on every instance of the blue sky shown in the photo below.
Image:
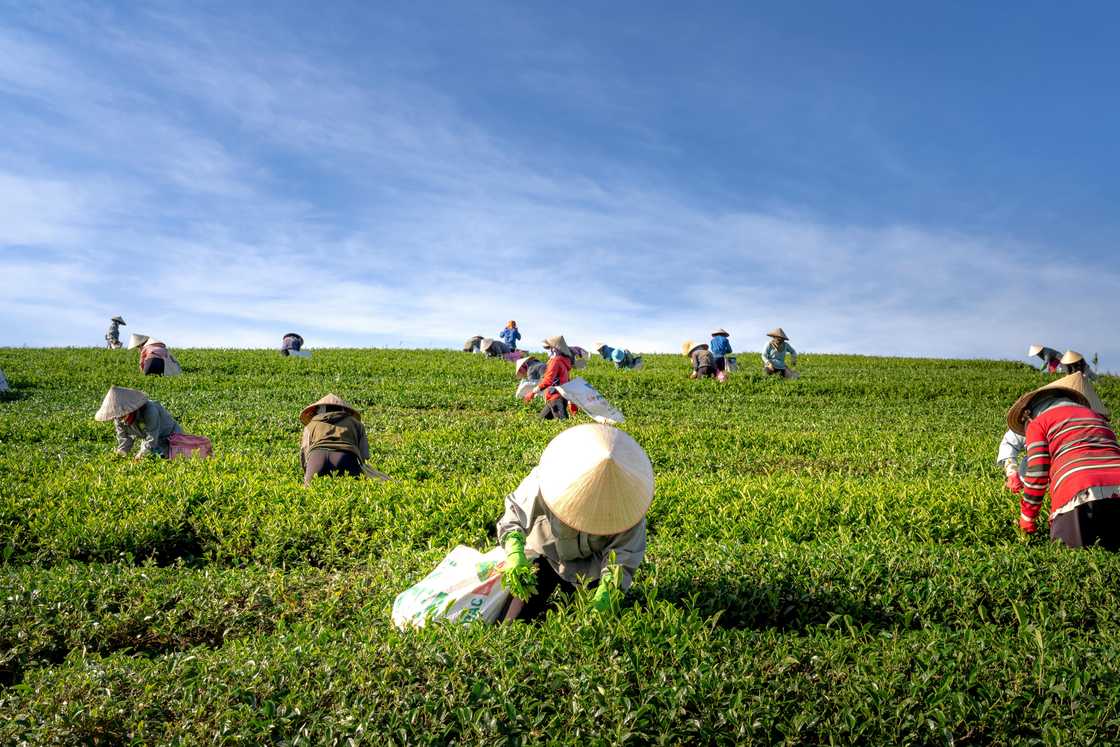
(932, 179)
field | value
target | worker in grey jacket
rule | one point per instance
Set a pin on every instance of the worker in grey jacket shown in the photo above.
(113, 336)
(136, 417)
(774, 355)
(1009, 456)
(580, 516)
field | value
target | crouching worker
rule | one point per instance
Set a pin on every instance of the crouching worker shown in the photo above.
(1072, 452)
(557, 372)
(703, 362)
(530, 369)
(334, 441)
(291, 343)
(620, 357)
(136, 417)
(774, 355)
(155, 358)
(584, 504)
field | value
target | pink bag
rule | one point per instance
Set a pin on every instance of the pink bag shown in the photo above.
(184, 445)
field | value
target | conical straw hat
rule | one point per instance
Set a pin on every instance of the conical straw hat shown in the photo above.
(135, 340)
(686, 347)
(560, 344)
(598, 346)
(521, 363)
(1071, 357)
(119, 401)
(119, 320)
(1075, 385)
(777, 332)
(596, 479)
(721, 331)
(1034, 350)
(331, 399)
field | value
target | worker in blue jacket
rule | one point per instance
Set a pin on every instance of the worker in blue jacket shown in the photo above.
(720, 348)
(510, 335)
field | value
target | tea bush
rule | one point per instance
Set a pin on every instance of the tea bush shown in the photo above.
(831, 560)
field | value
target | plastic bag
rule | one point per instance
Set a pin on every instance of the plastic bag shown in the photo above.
(171, 366)
(525, 387)
(465, 586)
(184, 445)
(583, 395)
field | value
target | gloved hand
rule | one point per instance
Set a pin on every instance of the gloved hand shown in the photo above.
(529, 395)
(1014, 483)
(606, 598)
(1027, 525)
(518, 574)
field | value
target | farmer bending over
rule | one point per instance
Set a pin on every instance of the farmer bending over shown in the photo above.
(620, 357)
(774, 355)
(136, 417)
(584, 503)
(556, 372)
(1072, 452)
(334, 440)
(703, 362)
(1074, 362)
(720, 347)
(1051, 358)
(291, 343)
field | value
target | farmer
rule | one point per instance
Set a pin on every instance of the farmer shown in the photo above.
(774, 355)
(510, 335)
(493, 348)
(1072, 452)
(1074, 362)
(556, 372)
(703, 362)
(155, 358)
(334, 440)
(720, 347)
(1051, 358)
(472, 344)
(3, 382)
(291, 343)
(584, 503)
(136, 417)
(529, 368)
(620, 357)
(113, 336)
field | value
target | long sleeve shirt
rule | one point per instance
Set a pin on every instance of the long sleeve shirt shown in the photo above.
(153, 426)
(114, 333)
(775, 356)
(510, 336)
(1010, 449)
(574, 555)
(153, 350)
(556, 372)
(1051, 359)
(1073, 452)
(334, 431)
(720, 346)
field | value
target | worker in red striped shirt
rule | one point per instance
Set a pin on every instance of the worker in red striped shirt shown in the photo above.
(1072, 451)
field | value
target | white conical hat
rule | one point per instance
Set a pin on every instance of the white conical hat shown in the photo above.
(331, 399)
(119, 401)
(521, 363)
(1034, 350)
(1071, 357)
(559, 343)
(721, 331)
(777, 332)
(135, 340)
(1075, 385)
(596, 479)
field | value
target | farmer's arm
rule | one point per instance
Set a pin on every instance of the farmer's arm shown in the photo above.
(124, 437)
(519, 507)
(629, 549)
(1037, 479)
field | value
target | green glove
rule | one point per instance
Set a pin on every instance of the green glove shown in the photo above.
(519, 576)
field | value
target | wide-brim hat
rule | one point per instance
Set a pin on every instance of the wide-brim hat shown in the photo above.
(1075, 385)
(486, 344)
(559, 343)
(135, 340)
(596, 479)
(1071, 357)
(520, 363)
(777, 332)
(690, 347)
(118, 320)
(721, 332)
(119, 401)
(331, 399)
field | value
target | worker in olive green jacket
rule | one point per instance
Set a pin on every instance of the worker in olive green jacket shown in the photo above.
(334, 441)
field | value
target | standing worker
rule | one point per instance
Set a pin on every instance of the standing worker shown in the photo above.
(774, 355)
(721, 349)
(703, 362)
(334, 440)
(557, 372)
(136, 417)
(581, 512)
(1051, 358)
(113, 336)
(510, 335)
(1072, 452)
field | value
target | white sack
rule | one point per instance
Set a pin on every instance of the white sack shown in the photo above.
(584, 396)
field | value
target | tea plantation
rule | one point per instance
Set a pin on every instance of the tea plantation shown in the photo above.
(831, 560)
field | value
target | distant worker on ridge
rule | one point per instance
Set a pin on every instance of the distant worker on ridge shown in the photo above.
(620, 357)
(113, 336)
(292, 344)
(1074, 362)
(510, 335)
(1050, 357)
(774, 355)
(155, 358)
(701, 358)
(721, 349)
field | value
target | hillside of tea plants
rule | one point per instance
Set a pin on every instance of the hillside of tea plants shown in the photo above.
(831, 560)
